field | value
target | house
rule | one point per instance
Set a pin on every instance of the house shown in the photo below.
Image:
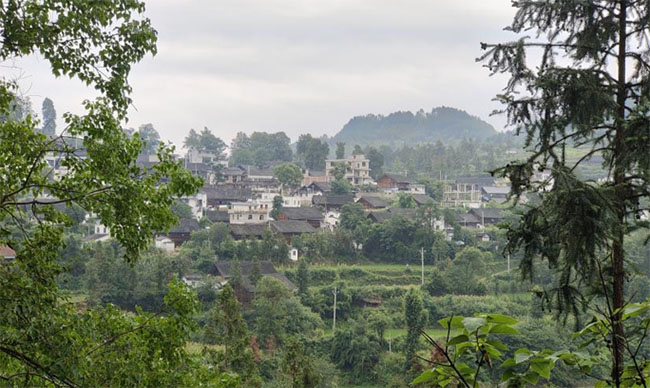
(372, 202)
(383, 216)
(193, 281)
(287, 201)
(466, 191)
(495, 193)
(369, 301)
(469, 220)
(233, 174)
(249, 212)
(488, 216)
(245, 291)
(422, 199)
(195, 155)
(332, 201)
(182, 232)
(196, 202)
(7, 253)
(289, 229)
(164, 243)
(311, 176)
(255, 174)
(217, 215)
(225, 194)
(248, 231)
(203, 170)
(395, 183)
(483, 237)
(358, 169)
(310, 214)
(306, 193)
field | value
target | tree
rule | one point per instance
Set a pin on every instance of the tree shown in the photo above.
(277, 207)
(192, 140)
(376, 160)
(237, 354)
(297, 364)
(339, 170)
(340, 150)
(415, 320)
(288, 174)
(352, 216)
(210, 143)
(302, 276)
(312, 152)
(149, 137)
(96, 43)
(405, 200)
(49, 117)
(256, 272)
(341, 186)
(260, 148)
(279, 314)
(588, 88)
(357, 150)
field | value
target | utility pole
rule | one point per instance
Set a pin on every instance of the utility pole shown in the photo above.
(335, 291)
(508, 262)
(422, 259)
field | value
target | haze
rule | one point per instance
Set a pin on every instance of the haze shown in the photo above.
(300, 65)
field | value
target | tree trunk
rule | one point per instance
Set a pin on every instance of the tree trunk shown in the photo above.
(618, 254)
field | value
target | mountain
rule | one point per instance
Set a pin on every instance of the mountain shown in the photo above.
(448, 125)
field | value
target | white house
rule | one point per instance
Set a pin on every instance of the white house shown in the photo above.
(164, 243)
(358, 169)
(250, 212)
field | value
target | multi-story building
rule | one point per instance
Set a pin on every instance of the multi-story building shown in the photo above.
(250, 212)
(357, 172)
(465, 191)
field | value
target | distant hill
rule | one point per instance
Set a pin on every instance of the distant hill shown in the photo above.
(407, 128)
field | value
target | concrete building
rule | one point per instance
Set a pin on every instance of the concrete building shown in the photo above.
(358, 169)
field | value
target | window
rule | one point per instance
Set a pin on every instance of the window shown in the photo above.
(262, 217)
(250, 216)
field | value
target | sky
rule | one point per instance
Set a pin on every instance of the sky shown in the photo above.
(299, 66)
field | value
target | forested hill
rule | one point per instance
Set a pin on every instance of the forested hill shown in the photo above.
(407, 128)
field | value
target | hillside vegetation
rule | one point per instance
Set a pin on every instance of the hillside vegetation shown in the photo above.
(408, 128)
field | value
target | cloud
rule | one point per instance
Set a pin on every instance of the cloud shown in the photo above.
(301, 65)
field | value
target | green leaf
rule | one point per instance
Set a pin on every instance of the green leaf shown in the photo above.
(458, 339)
(473, 323)
(503, 329)
(456, 322)
(502, 319)
(531, 378)
(424, 377)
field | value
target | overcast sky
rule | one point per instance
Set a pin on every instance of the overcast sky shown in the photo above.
(300, 65)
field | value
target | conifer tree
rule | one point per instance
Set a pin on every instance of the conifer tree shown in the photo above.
(237, 354)
(590, 89)
(302, 275)
(413, 315)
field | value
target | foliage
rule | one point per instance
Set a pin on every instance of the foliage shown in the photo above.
(356, 351)
(415, 320)
(340, 150)
(302, 275)
(277, 207)
(149, 137)
(376, 160)
(410, 128)
(260, 149)
(237, 354)
(288, 174)
(49, 117)
(341, 186)
(312, 152)
(278, 314)
(206, 141)
(599, 102)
